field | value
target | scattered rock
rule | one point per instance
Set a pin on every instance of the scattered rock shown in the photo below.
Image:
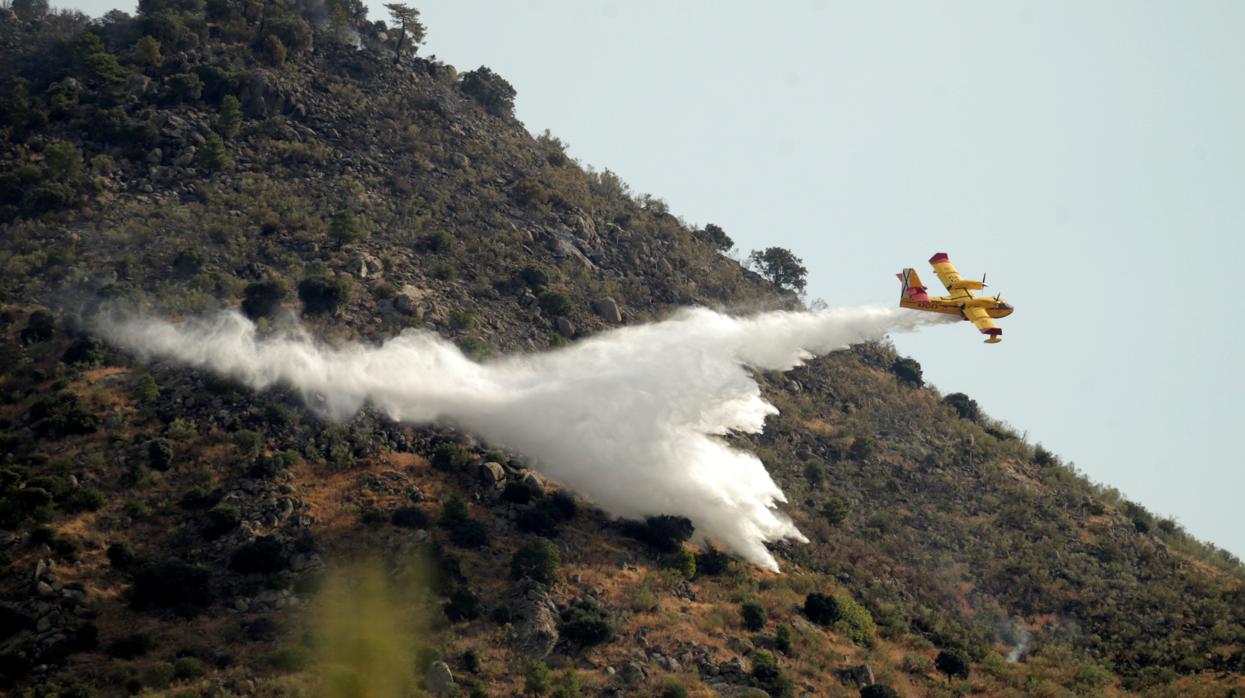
(491, 473)
(607, 308)
(439, 678)
(535, 619)
(460, 161)
(858, 676)
(565, 327)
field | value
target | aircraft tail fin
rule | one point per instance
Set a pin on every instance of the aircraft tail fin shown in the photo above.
(912, 288)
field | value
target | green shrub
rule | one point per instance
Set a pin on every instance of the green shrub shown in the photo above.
(835, 511)
(782, 639)
(322, 295)
(917, 663)
(344, 228)
(555, 303)
(132, 646)
(172, 584)
(462, 320)
(754, 616)
(263, 298)
(536, 681)
(908, 371)
(264, 555)
(954, 663)
(160, 454)
(585, 623)
(290, 659)
(538, 559)
(536, 278)
(275, 50)
(769, 676)
(84, 499)
(293, 31)
(462, 605)
(213, 156)
(450, 457)
(521, 491)
(490, 90)
(121, 555)
(184, 87)
(965, 406)
(780, 267)
(878, 690)
(567, 685)
(665, 533)
(438, 241)
(409, 517)
(718, 238)
(229, 119)
(61, 415)
(469, 534)
(146, 391)
(822, 609)
(147, 52)
(248, 442)
(682, 562)
(712, 562)
(673, 688)
(40, 327)
(221, 519)
(858, 622)
(188, 668)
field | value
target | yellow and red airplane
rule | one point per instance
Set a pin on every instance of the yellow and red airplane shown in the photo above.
(981, 311)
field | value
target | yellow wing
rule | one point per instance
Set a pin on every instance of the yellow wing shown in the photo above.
(957, 286)
(985, 324)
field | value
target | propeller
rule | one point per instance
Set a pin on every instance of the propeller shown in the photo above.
(983, 279)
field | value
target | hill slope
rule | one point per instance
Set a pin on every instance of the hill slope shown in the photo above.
(167, 530)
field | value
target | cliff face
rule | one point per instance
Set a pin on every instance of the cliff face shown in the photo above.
(164, 529)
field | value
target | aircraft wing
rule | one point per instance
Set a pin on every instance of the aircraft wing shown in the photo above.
(957, 286)
(985, 324)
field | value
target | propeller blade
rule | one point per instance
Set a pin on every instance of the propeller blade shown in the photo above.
(983, 279)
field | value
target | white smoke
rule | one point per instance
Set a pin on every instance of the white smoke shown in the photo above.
(630, 419)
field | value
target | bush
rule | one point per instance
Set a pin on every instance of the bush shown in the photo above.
(712, 562)
(673, 689)
(147, 52)
(953, 663)
(538, 560)
(536, 278)
(965, 406)
(264, 555)
(274, 50)
(917, 663)
(121, 555)
(184, 87)
(782, 639)
(665, 533)
(767, 674)
(229, 120)
(409, 517)
(221, 519)
(146, 391)
(132, 646)
(544, 517)
(344, 228)
(908, 371)
(293, 31)
(172, 584)
(160, 454)
(84, 499)
(835, 511)
(521, 491)
(682, 562)
(862, 448)
(290, 659)
(490, 90)
(438, 241)
(585, 623)
(878, 690)
(718, 238)
(263, 298)
(61, 415)
(780, 267)
(248, 442)
(462, 605)
(822, 609)
(450, 457)
(40, 327)
(323, 295)
(536, 681)
(188, 668)
(555, 304)
(469, 534)
(213, 156)
(753, 615)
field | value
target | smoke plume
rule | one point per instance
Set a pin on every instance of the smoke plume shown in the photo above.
(631, 419)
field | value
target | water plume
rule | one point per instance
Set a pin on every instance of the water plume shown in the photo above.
(631, 419)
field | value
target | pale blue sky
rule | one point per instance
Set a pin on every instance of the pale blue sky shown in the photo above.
(1089, 155)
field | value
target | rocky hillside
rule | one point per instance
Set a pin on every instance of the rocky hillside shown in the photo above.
(166, 531)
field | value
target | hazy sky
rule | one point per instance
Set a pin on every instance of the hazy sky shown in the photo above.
(1089, 155)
